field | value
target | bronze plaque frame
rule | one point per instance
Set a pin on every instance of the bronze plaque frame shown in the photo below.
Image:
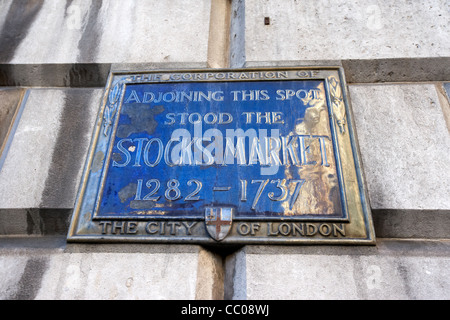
(222, 223)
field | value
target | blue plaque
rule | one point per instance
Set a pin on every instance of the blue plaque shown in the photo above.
(224, 156)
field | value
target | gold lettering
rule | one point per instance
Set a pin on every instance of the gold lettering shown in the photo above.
(338, 229)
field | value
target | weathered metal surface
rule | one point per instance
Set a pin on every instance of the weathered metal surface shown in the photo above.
(224, 156)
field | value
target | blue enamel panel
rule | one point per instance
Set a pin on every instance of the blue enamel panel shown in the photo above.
(265, 148)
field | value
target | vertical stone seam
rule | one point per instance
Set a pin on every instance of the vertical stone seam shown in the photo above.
(237, 34)
(235, 287)
(230, 273)
(219, 37)
(210, 276)
(240, 276)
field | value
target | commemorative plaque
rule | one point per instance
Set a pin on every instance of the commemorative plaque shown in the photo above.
(235, 156)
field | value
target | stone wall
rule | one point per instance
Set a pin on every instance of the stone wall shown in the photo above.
(55, 58)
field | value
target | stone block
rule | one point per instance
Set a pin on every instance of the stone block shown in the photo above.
(404, 143)
(324, 30)
(392, 270)
(44, 163)
(108, 31)
(133, 272)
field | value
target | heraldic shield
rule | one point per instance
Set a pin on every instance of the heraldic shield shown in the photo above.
(218, 221)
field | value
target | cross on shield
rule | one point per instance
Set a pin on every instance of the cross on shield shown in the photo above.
(218, 221)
